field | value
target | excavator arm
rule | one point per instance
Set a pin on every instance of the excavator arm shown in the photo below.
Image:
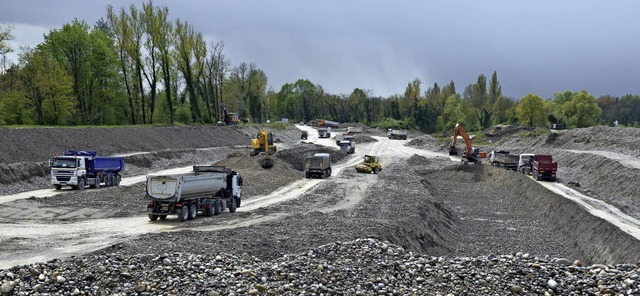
(459, 131)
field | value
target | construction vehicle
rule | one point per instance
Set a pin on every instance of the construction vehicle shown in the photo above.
(524, 163)
(470, 154)
(324, 132)
(543, 167)
(207, 189)
(304, 135)
(371, 164)
(77, 168)
(266, 162)
(228, 118)
(328, 123)
(503, 159)
(397, 134)
(318, 165)
(348, 146)
(354, 129)
(259, 143)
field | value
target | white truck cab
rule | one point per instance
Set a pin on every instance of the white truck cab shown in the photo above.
(68, 171)
(524, 163)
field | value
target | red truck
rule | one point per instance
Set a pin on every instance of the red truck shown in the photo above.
(543, 167)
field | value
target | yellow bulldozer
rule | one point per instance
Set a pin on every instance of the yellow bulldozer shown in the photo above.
(370, 165)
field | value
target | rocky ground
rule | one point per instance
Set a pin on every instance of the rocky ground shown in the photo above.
(422, 226)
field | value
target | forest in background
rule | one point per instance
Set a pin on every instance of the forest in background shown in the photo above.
(138, 66)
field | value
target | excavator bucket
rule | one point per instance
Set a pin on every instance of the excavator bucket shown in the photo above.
(453, 150)
(266, 163)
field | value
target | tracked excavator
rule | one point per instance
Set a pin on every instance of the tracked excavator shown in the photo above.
(262, 142)
(470, 154)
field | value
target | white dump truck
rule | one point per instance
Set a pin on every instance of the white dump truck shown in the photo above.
(397, 134)
(207, 190)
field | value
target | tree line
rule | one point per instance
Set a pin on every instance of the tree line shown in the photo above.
(138, 66)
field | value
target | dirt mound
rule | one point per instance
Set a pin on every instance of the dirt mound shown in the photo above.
(599, 176)
(360, 138)
(295, 155)
(256, 179)
(39, 144)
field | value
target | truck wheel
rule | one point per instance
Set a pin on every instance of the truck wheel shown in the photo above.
(329, 172)
(376, 170)
(217, 207)
(239, 201)
(183, 213)
(117, 180)
(163, 217)
(193, 211)
(57, 187)
(232, 206)
(97, 185)
(153, 217)
(81, 184)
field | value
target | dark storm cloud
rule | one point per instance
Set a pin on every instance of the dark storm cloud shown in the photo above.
(535, 46)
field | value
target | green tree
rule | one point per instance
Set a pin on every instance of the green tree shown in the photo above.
(530, 110)
(187, 43)
(48, 88)
(5, 35)
(14, 108)
(582, 110)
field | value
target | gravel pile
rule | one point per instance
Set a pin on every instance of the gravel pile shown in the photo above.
(358, 267)
(596, 175)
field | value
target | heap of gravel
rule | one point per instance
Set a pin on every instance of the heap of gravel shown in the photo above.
(357, 267)
(596, 175)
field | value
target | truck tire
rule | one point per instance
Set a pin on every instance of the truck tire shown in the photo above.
(193, 211)
(117, 180)
(153, 217)
(217, 207)
(183, 213)
(208, 210)
(80, 184)
(163, 217)
(233, 205)
(239, 201)
(97, 184)
(376, 170)
(57, 187)
(329, 172)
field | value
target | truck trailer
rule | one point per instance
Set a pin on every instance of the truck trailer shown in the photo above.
(397, 134)
(78, 168)
(318, 165)
(504, 159)
(207, 189)
(544, 168)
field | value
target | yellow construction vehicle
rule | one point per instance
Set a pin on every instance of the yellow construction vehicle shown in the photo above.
(370, 165)
(259, 143)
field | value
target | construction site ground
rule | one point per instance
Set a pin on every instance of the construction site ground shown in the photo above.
(423, 200)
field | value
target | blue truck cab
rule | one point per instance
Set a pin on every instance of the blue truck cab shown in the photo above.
(78, 168)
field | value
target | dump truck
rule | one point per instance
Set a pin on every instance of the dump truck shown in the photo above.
(524, 163)
(543, 167)
(78, 168)
(503, 159)
(348, 146)
(207, 190)
(318, 165)
(397, 134)
(324, 132)
(370, 164)
(304, 135)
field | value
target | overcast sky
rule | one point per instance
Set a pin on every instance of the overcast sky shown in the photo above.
(537, 47)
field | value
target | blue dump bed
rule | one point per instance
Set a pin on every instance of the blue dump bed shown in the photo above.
(108, 164)
(99, 163)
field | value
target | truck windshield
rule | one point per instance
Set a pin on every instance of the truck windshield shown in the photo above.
(63, 163)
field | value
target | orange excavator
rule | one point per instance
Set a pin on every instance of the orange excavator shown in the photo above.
(471, 154)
